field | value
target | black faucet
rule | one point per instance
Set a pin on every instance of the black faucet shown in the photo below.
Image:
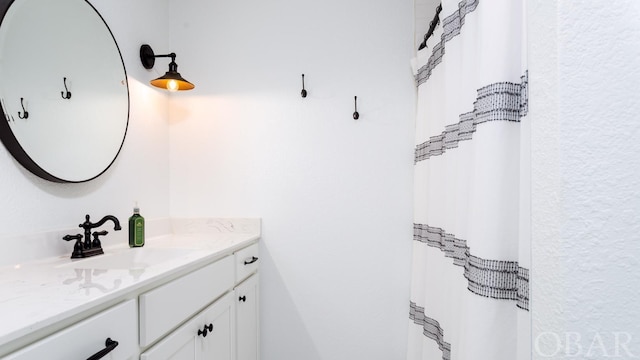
(90, 248)
(87, 226)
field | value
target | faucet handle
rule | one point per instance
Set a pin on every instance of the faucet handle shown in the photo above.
(78, 249)
(96, 242)
(72, 237)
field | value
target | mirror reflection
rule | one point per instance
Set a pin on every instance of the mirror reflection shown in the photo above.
(60, 66)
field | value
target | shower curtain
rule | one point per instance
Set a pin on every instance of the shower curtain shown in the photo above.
(470, 277)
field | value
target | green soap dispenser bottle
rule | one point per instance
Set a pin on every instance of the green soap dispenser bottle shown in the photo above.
(136, 228)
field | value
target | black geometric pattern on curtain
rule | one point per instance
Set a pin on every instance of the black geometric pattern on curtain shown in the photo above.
(431, 328)
(502, 101)
(451, 27)
(495, 279)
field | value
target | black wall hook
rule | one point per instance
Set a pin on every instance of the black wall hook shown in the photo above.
(26, 113)
(356, 115)
(303, 92)
(66, 94)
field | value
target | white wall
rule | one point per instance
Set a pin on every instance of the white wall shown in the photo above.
(424, 11)
(334, 194)
(586, 178)
(141, 171)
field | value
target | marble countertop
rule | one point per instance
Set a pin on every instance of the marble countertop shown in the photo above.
(38, 294)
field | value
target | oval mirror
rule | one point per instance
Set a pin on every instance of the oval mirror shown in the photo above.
(63, 89)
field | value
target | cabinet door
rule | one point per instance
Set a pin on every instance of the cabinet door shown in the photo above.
(247, 302)
(219, 343)
(189, 341)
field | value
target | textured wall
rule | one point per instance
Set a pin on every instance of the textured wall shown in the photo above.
(31, 205)
(334, 194)
(585, 178)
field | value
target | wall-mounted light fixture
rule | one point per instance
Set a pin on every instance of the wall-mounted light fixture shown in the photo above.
(172, 80)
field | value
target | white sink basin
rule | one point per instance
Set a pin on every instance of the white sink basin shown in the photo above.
(134, 258)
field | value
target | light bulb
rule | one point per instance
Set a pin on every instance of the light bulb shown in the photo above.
(172, 85)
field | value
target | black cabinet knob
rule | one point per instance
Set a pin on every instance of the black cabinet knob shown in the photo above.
(207, 329)
(242, 298)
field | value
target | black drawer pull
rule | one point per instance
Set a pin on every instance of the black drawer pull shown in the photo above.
(242, 298)
(251, 261)
(109, 346)
(207, 329)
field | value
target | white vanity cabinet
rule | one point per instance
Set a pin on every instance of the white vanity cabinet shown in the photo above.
(166, 306)
(207, 309)
(247, 302)
(87, 339)
(227, 329)
(208, 332)
(208, 335)
(246, 298)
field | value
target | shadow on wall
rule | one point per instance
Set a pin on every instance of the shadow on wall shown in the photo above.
(64, 190)
(292, 330)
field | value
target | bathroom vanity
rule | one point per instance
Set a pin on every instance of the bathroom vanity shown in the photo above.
(192, 294)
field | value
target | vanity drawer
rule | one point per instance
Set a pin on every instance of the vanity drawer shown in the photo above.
(164, 307)
(247, 261)
(86, 338)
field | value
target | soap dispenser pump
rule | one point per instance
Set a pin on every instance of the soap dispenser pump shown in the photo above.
(136, 228)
